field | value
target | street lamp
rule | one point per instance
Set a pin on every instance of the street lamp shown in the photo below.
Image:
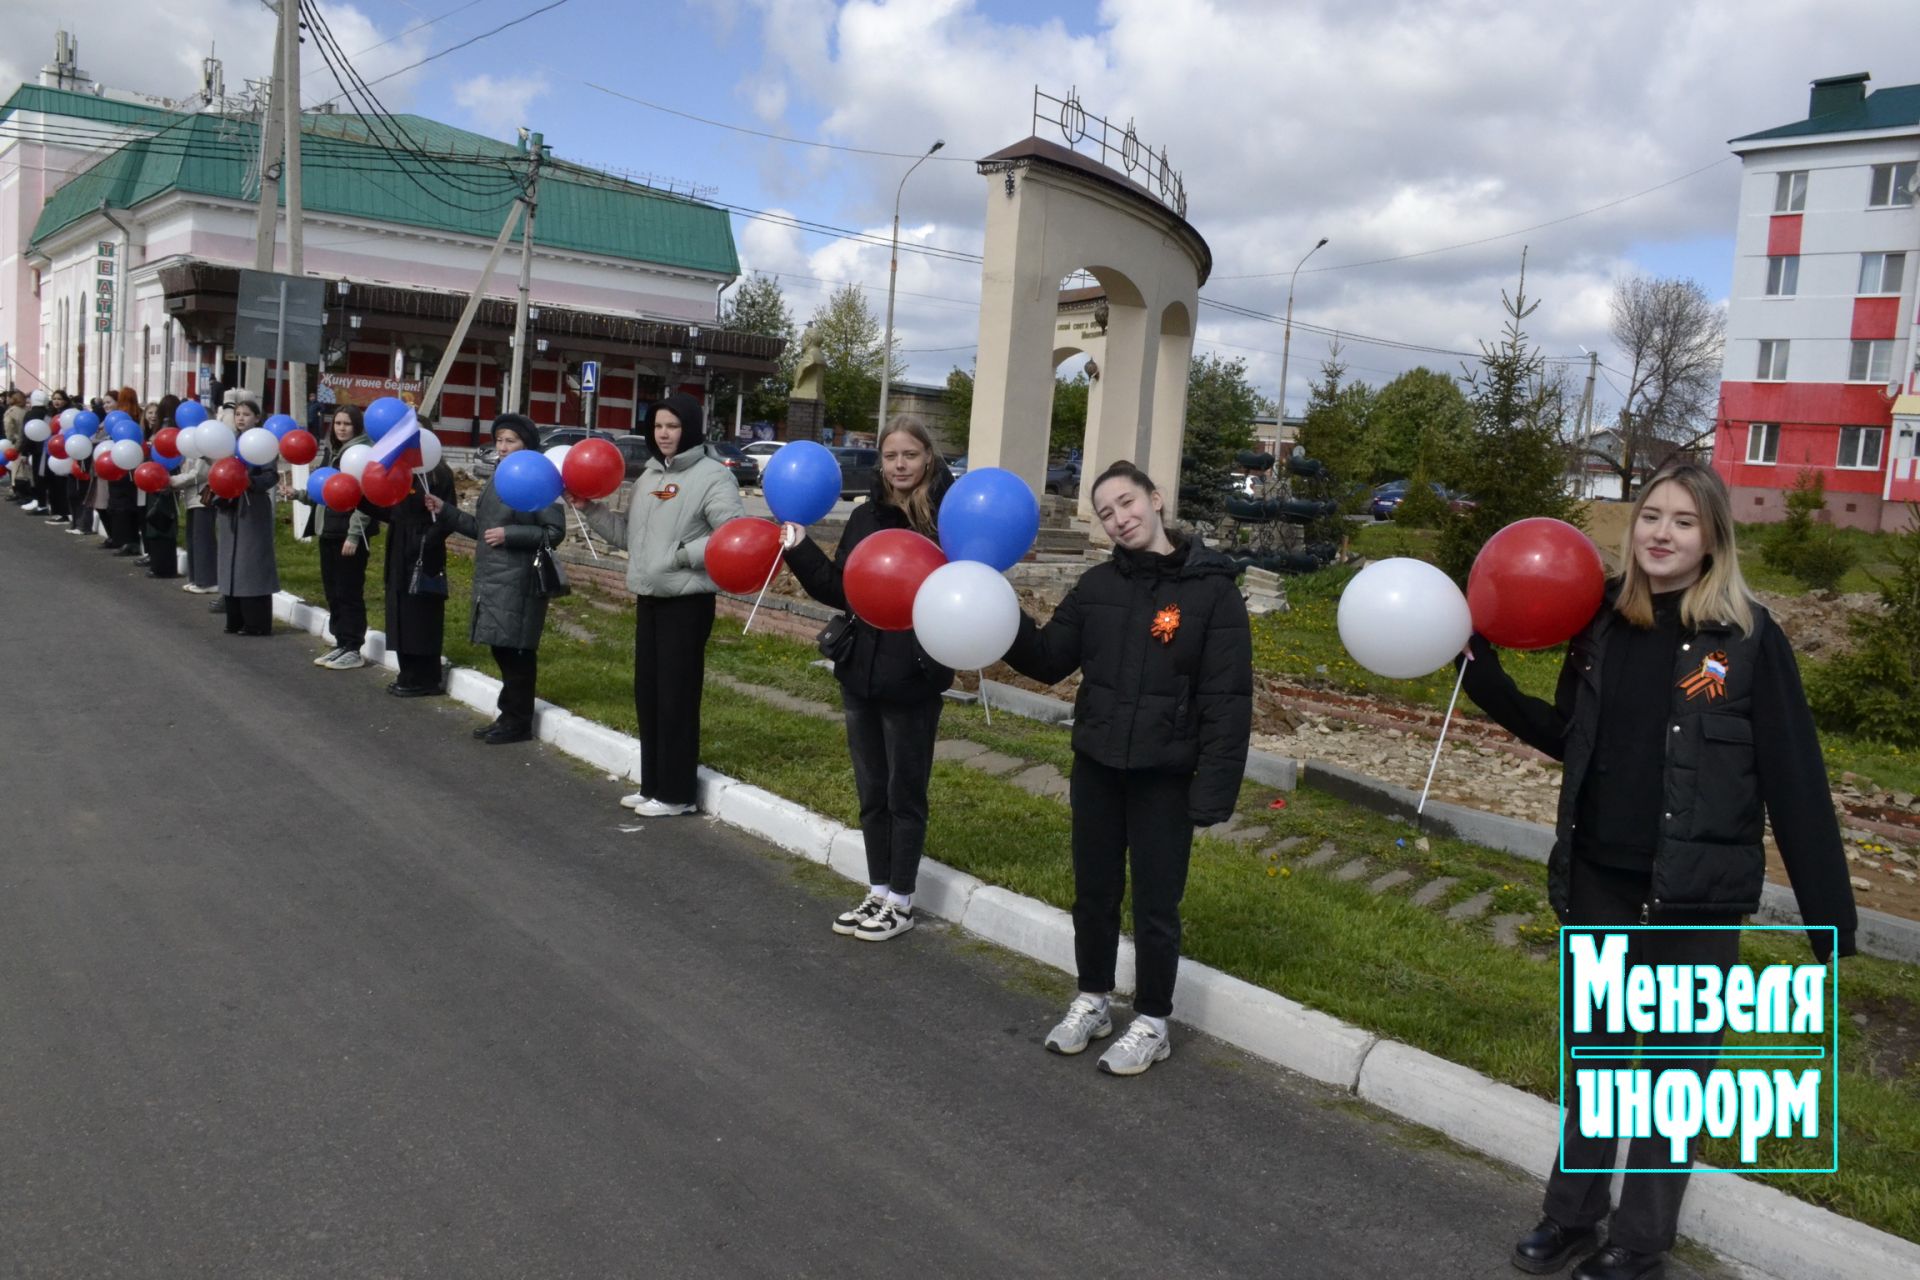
(1286, 341)
(893, 272)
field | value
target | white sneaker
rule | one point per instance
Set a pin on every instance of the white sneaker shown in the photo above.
(891, 922)
(869, 907)
(326, 659)
(637, 798)
(1085, 1022)
(347, 660)
(1137, 1050)
(661, 809)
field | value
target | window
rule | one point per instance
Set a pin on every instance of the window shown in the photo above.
(1892, 186)
(1872, 362)
(1860, 448)
(1783, 276)
(1790, 192)
(1773, 360)
(1763, 442)
(1882, 272)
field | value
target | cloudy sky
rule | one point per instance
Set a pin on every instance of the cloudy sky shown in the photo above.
(1418, 137)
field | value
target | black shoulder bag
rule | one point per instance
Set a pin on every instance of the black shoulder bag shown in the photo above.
(549, 580)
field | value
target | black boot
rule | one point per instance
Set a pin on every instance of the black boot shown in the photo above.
(487, 728)
(1550, 1246)
(509, 731)
(1617, 1263)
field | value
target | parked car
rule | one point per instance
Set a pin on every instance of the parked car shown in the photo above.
(761, 450)
(958, 466)
(1063, 477)
(746, 470)
(859, 467)
(1388, 497)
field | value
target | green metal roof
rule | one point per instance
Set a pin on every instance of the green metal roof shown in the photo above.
(83, 106)
(1891, 108)
(348, 170)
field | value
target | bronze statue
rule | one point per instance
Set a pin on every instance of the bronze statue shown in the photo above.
(810, 373)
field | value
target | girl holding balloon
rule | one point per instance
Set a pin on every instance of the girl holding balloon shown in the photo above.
(416, 576)
(120, 508)
(249, 573)
(343, 551)
(160, 521)
(1682, 725)
(679, 499)
(53, 481)
(189, 488)
(1161, 726)
(891, 689)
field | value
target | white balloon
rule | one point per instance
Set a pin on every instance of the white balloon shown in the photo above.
(187, 443)
(354, 460)
(557, 455)
(429, 450)
(1403, 618)
(259, 446)
(60, 466)
(38, 430)
(966, 615)
(66, 418)
(216, 440)
(78, 447)
(126, 454)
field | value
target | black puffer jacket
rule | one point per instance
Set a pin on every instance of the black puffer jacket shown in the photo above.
(1166, 660)
(889, 665)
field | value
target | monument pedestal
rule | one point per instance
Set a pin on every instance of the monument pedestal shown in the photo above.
(805, 418)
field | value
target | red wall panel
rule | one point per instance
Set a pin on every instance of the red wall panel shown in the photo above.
(1875, 318)
(1783, 235)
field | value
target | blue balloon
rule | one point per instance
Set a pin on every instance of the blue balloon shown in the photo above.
(801, 482)
(383, 415)
(189, 413)
(989, 515)
(85, 423)
(280, 424)
(121, 426)
(171, 464)
(316, 481)
(528, 481)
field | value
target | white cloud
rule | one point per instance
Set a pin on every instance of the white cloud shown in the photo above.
(499, 105)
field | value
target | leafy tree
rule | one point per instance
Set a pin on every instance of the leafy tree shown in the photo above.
(1670, 335)
(1420, 419)
(959, 409)
(1335, 431)
(759, 306)
(1069, 426)
(851, 340)
(1221, 404)
(1515, 465)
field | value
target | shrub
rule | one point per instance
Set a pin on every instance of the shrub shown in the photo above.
(1803, 548)
(1874, 690)
(1422, 508)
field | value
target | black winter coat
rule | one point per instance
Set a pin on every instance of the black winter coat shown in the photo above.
(888, 665)
(508, 609)
(1165, 654)
(415, 624)
(1741, 747)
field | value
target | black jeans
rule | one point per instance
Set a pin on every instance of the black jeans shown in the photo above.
(669, 667)
(420, 671)
(892, 748)
(1117, 812)
(519, 669)
(203, 556)
(343, 579)
(1649, 1209)
(251, 615)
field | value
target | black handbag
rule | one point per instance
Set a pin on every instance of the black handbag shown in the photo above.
(836, 638)
(423, 583)
(549, 580)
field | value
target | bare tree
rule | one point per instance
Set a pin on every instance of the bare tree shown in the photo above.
(1670, 337)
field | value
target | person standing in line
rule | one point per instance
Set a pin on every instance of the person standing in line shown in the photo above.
(249, 568)
(33, 455)
(160, 520)
(682, 496)
(1683, 728)
(509, 613)
(19, 488)
(891, 689)
(188, 485)
(1161, 728)
(416, 575)
(57, 490)
(343, 551)
(118, 501)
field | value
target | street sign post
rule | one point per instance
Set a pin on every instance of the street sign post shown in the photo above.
(280, 317)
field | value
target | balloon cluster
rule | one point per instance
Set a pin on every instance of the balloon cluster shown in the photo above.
(953, 596)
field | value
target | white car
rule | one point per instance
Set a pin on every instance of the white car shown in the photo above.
(761, 450)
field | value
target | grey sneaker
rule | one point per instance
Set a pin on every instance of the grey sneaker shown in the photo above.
(1137, 1050)
(346, 660)
(326, 659)
(869, 907)
(1085, 1022)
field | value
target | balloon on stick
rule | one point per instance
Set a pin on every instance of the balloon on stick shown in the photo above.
(1403, 618)
(279, 424)
(150, 477)
(78, 447)
(127, 454)
(884, 574)
(57, 447)
(1535, 584)
(382, 487)
(187, 442)
(121, 426)
(85, 423)
(383, 415)
(966, 615)
(741, 552)
(216, 440)
(430, 450)
(259, 446)
(592, 469)
(166, 442)
(527, 481)
(989, 515)
(801, 482)
(189, 413)
(341, 492)
(557, 455)
(60, 466)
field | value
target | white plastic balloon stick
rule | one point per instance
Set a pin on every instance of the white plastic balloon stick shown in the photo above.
(763, 593)
(1441, 741)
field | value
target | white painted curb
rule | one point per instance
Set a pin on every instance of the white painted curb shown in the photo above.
(1769, 1230)
(1035, 929)
(777, 821)
(1494, 1118)
(1270, 1025)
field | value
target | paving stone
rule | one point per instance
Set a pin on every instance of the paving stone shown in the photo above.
(1288, 845)
(956, 749)
(995, 763)
(1057, 789)
(1391, 880)
(1434, 890)
(777, 697)
(1321, 857)
(1506, 929)
(1353, 870)
(1242, 835)
(1473, 908)
(1034, 780)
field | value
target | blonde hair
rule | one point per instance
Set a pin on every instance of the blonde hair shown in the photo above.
(1720, 594)
(918, 504)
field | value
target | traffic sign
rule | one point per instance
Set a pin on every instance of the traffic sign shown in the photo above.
(589, 376)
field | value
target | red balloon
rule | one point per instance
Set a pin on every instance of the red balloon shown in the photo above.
(593, 469)
(297, 446)
(102, 466)
(228, 477)
(742, 553)
(163, 443)
(340, 492)
(382, 487)
(884, 573)
(150, 477)
(56, 446)
(1535, 584)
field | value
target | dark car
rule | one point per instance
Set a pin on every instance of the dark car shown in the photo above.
(859, 468)
(1388, 497)
(746, 471)
(1063, 477)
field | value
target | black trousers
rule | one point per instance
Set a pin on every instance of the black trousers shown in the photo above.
(420, 671)
(669, 669)
(892, 748)
(122, 527)
(1117, 812)
(163, 556)
(519, 671)
(57, 494)
(252, 615)
(343, 580)
(203, 553)
(1649, 1209)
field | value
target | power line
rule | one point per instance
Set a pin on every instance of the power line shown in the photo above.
(455, 48)
(418, 26)
(771, 137)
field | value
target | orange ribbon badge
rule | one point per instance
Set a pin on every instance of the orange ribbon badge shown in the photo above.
(1166, 623)
(1710, 679)
(671, 491)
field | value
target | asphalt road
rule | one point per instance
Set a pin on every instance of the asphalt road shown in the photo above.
(297, 979)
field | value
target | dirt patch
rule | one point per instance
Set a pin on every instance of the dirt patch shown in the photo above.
(1816, 623)
(1890, 1035)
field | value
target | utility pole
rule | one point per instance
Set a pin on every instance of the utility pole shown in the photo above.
(1586, 424)
(266, 218)
(516, 382)
(1286, 342)
(452, 353)
(290, 113)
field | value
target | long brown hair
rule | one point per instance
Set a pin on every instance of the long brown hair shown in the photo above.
(1721, 593)
(918, 503)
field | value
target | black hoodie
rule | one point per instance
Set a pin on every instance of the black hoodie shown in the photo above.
(693, 433)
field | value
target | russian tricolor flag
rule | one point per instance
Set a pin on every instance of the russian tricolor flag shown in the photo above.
(400, 446)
